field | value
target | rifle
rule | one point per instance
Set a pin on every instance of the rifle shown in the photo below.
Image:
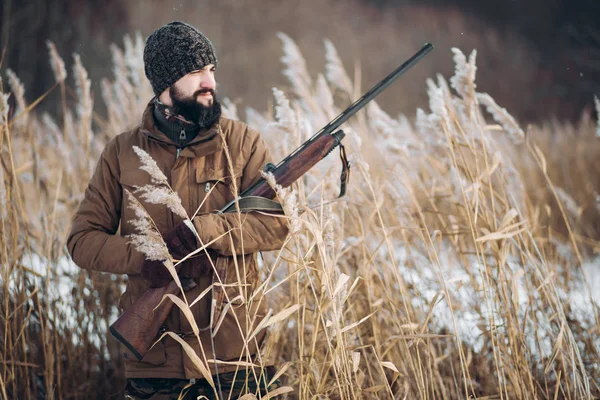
(137, 327)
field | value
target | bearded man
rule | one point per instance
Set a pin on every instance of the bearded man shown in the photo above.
(183, 131)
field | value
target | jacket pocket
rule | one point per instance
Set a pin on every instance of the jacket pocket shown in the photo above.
(215, 187)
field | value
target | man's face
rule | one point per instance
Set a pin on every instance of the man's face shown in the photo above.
(198, 86)
(193, 96)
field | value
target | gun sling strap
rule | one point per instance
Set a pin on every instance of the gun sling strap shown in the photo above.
(257, 203)
(345, 177)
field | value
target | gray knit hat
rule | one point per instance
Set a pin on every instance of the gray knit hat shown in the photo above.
(173, 51)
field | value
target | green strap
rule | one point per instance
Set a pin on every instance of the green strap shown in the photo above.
(256, 203)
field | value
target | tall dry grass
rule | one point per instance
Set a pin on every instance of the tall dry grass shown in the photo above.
(462, 263)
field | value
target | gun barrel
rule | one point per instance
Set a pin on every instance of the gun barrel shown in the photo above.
(367, 97)
(375, 90)
(347, 113)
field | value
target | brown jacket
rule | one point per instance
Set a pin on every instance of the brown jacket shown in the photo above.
(95, 242)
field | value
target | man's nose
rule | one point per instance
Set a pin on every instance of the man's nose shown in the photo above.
(208, 82)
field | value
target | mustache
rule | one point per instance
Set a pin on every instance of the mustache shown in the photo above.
(205, 90)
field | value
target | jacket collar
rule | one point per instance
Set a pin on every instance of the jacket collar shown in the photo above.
(206, 142)
(174, 127)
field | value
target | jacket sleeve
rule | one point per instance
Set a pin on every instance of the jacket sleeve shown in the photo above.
(94, 242)
(247, 232)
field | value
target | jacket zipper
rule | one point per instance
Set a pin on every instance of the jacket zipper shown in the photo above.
(182, 137)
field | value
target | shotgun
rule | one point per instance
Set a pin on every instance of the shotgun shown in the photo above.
(137, 327)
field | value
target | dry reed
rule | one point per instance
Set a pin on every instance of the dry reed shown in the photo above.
(462, 263)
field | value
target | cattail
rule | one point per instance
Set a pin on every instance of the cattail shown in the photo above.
(156, 194)
(229, 109)
(149, 241)
(134, 61)
(142, 222)
(18, 91)
(255, 119)
(85, 103)
(393, 136)
(597, 102)
(380, 121)
(150, 166)
(437, 104)
(134, 58)
(124, 90)
(57, 63)
(59, 144)
(443, 84)
(334, 70)
(288, 199)
(130, 89)
(4, 107)
(119, 63)
(51, 126)
(70, 129)
(295, 67)
(406, 127)
(114, 112)
(424, 124)
(502, 117)
(324, 100)
(82, 86)
(162, 195)
(329, 224)
(567, 200)
(284, 115)
(4, 207)
(463, 80)
(270, 178)
(107, 93)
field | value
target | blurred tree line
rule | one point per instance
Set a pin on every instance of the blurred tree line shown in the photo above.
(538, 58)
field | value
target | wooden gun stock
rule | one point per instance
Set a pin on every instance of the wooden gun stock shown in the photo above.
(136, 328)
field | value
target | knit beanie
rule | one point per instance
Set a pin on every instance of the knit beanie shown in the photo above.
(173, 51)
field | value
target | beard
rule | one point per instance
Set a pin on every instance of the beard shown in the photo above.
(190, 109)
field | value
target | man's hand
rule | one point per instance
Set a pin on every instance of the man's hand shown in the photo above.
(156, 273)
(180, 241)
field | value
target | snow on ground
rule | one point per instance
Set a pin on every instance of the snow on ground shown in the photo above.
(58, 293)
(425, 279)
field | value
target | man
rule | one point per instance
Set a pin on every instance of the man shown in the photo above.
(183, 131)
